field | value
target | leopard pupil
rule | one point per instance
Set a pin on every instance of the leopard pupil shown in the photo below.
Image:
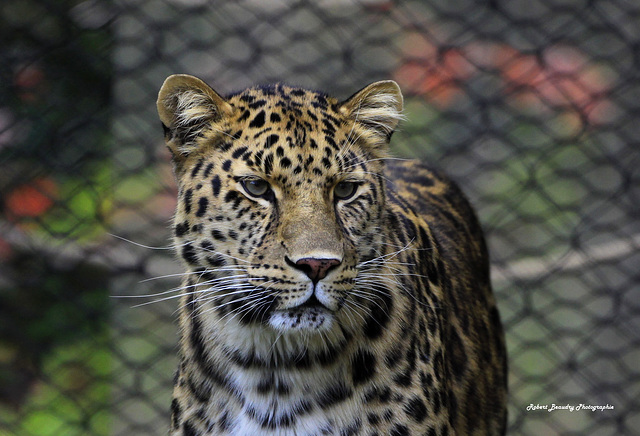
(344, 190)
(256, 187)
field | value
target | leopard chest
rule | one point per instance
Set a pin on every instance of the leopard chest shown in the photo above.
(350, 389)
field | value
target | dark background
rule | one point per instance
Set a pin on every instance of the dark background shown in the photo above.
(531, 105)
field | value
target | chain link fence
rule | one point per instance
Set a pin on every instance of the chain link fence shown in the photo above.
(531, 105)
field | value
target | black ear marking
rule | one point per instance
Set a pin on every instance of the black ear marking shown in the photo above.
(166, 131)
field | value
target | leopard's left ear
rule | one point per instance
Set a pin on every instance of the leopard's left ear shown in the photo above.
(378, 107)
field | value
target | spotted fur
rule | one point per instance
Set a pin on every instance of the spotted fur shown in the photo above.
(328, 290)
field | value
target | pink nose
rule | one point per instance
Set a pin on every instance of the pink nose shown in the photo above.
(316, 269)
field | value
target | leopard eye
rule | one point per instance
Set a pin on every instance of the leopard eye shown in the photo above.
(256, 187)
(344, 190)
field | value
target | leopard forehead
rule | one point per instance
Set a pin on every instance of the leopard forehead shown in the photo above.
(280, 95)
(289, 135)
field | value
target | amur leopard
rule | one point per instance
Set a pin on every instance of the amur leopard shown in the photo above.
(329, 289)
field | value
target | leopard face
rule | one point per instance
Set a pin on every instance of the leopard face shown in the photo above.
(280, 198)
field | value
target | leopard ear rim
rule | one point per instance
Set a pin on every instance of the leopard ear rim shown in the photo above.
(187, 108)
(378, 106)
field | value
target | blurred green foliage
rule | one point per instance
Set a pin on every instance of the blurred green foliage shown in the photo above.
(55, 182)
(55, 96)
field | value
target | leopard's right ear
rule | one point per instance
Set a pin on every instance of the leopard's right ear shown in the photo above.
(189, 109)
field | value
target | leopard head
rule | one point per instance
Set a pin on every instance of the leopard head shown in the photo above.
(281, 197)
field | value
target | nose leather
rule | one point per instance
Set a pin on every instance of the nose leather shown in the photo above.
(316, 269)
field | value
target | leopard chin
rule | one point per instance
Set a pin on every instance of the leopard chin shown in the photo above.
(308, 318)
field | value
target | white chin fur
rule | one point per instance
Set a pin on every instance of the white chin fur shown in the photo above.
(302, 319)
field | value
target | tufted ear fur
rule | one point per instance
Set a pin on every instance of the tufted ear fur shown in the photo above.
(188, 108)
(378, 107)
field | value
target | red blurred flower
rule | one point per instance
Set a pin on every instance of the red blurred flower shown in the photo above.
(31, 199)
(561, 77)
(435, 74)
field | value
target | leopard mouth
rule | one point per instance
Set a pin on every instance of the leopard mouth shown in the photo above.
(311, 303)
(311, 315)
(310, 308)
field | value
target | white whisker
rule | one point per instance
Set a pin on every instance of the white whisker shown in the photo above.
(137, 244)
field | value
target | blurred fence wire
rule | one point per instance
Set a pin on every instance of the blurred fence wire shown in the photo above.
(533, 106)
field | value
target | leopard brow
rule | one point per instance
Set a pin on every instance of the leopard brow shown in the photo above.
(244, 177)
